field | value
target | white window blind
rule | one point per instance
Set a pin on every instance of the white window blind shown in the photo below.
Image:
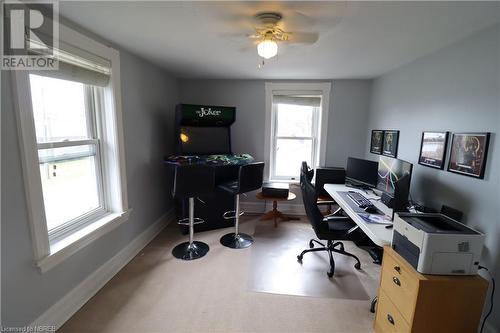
(76, 64)
(297, 100)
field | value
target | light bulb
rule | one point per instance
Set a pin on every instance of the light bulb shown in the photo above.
(267, 49)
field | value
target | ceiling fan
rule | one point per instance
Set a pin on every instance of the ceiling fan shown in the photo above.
(268, 33)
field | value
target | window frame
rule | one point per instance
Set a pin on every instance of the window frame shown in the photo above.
(49, 251)
(275, 137)
(320, 124)
(81, 221)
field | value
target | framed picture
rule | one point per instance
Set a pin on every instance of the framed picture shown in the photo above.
(433, 149)
(468, 154)
(376, 142)
(390, 146)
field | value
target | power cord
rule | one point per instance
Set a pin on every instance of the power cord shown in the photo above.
(491, 297)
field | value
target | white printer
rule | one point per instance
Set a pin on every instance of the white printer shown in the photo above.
(437, 244)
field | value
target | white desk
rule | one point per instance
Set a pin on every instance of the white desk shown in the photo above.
(378, 233)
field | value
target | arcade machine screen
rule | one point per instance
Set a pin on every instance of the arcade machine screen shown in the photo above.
(205, 140)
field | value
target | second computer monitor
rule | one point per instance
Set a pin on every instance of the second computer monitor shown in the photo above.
(361, 172)
(390, 170)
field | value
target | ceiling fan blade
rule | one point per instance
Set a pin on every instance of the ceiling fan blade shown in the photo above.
(302, 37)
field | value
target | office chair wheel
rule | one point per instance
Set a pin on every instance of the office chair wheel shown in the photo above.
(311, 244)
(357, 265)
(299, 258)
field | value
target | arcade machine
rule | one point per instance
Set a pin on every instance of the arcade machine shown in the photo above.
(203, 136)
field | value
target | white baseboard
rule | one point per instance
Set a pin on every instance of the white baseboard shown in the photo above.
(67, 306)
(254, 207)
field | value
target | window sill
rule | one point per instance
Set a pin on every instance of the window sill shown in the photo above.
(291, 182)
(66, 247)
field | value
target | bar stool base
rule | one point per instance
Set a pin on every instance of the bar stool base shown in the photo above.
(236, 242)
(185, 251)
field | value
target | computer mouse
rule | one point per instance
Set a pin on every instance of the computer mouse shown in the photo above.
(371, 209)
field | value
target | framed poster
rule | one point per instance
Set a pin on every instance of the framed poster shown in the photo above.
(468, 154)
(433, 149)
(390, 146)
(376, 141)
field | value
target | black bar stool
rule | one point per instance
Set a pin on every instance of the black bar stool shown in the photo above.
(249, 179)
(191, 181)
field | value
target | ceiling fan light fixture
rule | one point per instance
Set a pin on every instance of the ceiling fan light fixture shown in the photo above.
(267, 48)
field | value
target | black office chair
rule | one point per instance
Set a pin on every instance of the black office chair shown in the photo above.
(191, 181)
(249, 179)
(307, 172)
(331, 229)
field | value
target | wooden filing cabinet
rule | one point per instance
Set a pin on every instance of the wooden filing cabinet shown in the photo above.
(412, 302)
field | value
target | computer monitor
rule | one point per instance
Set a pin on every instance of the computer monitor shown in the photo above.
(205, 140)
(360, 172)
(390, 170)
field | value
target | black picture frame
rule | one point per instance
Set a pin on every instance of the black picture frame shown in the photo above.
(468, 154)
(433, 148)
(376, 141)
(391, 142)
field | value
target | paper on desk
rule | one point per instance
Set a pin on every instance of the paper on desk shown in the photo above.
(376, 218)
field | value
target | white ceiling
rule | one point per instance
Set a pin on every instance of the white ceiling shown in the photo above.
(207, 39)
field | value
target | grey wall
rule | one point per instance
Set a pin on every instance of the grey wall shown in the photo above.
(456, 89)
(349, 107)
(149, 96)
(349, 103)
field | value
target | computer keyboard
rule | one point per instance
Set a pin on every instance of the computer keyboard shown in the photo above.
(359, 199)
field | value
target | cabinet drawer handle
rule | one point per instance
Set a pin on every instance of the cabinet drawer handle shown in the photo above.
(397, 269)
(390, 319)
(396, 281)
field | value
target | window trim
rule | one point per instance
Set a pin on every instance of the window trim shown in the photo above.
(274, 142)
(94, 140)
(48, 254)
(289, 88)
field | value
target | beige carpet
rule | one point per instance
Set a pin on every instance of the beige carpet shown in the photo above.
(158, 293)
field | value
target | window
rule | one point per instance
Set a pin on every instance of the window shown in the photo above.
(64, 114)
(72, 143)
(296, 128)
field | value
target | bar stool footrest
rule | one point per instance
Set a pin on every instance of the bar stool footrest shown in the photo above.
(185, 221)
(231, 214)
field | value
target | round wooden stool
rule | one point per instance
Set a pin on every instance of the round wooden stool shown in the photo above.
(275, 214)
